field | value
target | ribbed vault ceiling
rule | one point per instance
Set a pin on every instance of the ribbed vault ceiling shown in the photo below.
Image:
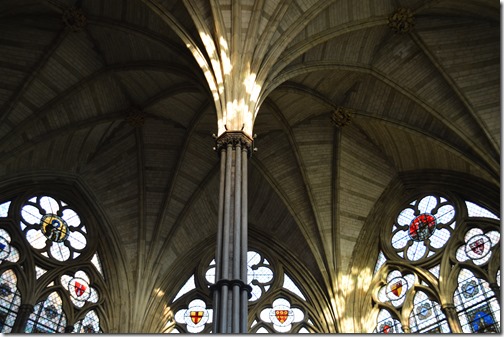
(427, 99)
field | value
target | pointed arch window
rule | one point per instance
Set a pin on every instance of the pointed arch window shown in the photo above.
(439, 244)
(476, 305)
(277, 304)
(57, 237)
(47, 316)
(89, 324)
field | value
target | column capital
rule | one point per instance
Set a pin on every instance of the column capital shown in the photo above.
(26, 307)
(234, 138)
(448, 306)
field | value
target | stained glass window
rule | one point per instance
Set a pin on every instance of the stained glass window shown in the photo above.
(423, 227)
(277, 302)
(89, 324)
(52, 228)
(188, 286)
(10, 300)
(290, 285)
(79, 289)
(476, 304)
(478, 245)
(432, 236)
(259, 274)
(47, 316)
(195, 316)
(427, 316)
(475, 210)
(387, 324)
(394, 291)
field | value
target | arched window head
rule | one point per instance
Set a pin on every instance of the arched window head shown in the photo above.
(47, 316)
(277, 303)
(89, 324)
(53, 228)
(426, 316)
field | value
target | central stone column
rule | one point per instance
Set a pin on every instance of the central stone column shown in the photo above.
(230, 291)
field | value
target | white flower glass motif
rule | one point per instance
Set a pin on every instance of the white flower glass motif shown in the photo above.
(79, 289)
(387, 324)
(52, 227)
(195, 316)
(423, 227)
(282, 315)
(477, 246)
(396, 288)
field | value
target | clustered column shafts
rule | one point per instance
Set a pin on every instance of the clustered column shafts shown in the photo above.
(231, 292)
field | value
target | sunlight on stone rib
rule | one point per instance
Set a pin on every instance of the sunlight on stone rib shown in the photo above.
(226, 62)
(356, 281)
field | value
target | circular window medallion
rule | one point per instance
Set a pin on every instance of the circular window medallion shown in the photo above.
(54, 227)
(422, 227)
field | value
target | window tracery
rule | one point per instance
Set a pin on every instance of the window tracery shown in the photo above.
(277, 304)
(49, 229)
(434, 268)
